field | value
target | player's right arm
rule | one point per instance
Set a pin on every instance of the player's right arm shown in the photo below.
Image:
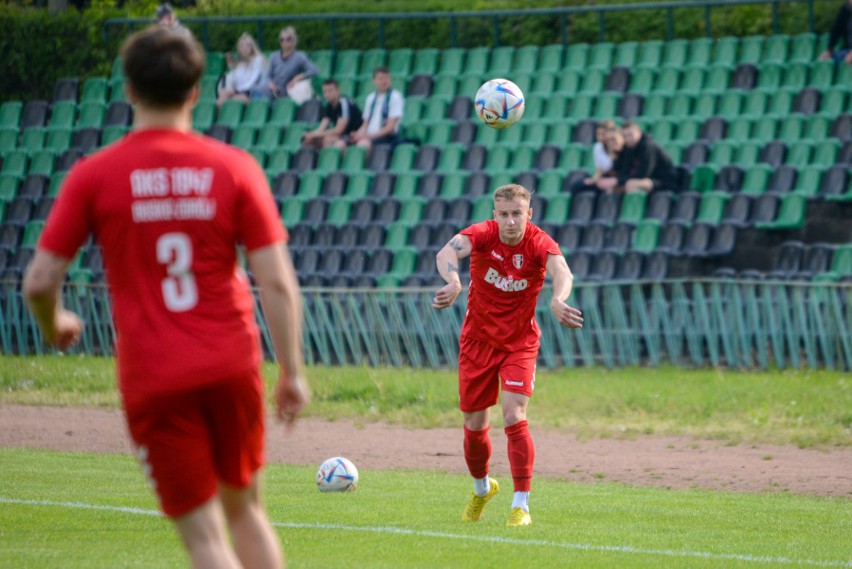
(447, 261)
(281, 300)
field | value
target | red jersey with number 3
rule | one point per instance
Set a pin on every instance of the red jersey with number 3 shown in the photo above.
(168, 209)
(505, 281)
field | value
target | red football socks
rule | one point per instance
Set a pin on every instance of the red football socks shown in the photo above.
(477, 451)
(521, 455)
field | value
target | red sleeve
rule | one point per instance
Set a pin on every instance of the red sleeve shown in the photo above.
(258, 221)
(477, 233)
(547, 246)
(69, 222)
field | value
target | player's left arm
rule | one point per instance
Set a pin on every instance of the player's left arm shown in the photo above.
(563, 282)
(42, 283)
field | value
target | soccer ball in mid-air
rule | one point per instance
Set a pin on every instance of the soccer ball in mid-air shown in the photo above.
(499, 103)
(337, 474)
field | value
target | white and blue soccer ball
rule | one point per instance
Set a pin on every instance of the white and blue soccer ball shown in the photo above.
(499, 103)
(337, 474)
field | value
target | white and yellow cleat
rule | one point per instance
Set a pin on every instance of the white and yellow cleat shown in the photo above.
(518, 517)
(473, 510)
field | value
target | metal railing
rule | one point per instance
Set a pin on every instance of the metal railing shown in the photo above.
(455, 22)
(731, 323)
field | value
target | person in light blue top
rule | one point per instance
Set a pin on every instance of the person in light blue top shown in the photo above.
(287, 68)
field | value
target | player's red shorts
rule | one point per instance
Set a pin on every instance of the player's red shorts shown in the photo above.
(484, 370)
(188, 442)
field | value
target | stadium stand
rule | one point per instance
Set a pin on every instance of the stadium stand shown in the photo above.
(762, 133)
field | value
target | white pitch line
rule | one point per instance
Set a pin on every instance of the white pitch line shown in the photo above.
(489, 539)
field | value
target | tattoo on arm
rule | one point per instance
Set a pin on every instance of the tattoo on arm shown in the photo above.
(451, 268)
(455, 244)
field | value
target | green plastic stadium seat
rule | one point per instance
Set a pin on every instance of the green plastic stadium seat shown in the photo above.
(63, 114)
(42, 163)
(359, 185)
(680, 105)
(259, 155)
(310, 184)
(543, 83)
(269, 137)
(573, 157)
(347, 63)
(704, 105)
(668, 81)
(8, 140)
(748, 154)
(523, 158)
(256, 113)
(550, 183)
(781, 103)
(550, 58)
(526, 58)
(324, 61)
(834, 101)
(775, 49)
(769, 77)
(751, 49)
(798, 154)
(371, 59)
(593, 81)
(558, 208)
(498, 158)
(632, 208)
(568, 83)
(208, 88)
(396, 236)
(8, 187)
(535, 133)
(675, 53)
(243, 137)
(291, 211)
(722, 153)
(791, 213)
(354, 160)
(338, 212)
(754, 104)
(687, 130)
(803, 48)
(477, 60)
(808, 180)
(328, 159)
(452, 62)
(606, 106)
(283, 112)
(405, 185)
(576, 56)
(650, 53)
(501, 61)
(663, 131)
(825, 152)
(816, 127)
(95, 90)
(647, 236)
(433, 109)
(795, 76)
(559, 132)
(411, 211)
(844, 75)
(580, 106)
(91, 115)
(691, 80)
(600, 56)
(642, 80)
(55, 183)
(482, 209)
(117, 72)
(215, 64)
(10, 114)
(453, 185)
(399, 61)
(403, 158)
(440, 133)
(15, 163)
(59, 139)
(445, 87)
(277, 161)
(425, 61)
(763, 129)
(822, 75)
(756, 178)
(703, 178)
(33, 139)
(625, 54)
(725, 52)
(717, 78)
(32, 231)
(203, 115)
(712, 207)
(700, 52)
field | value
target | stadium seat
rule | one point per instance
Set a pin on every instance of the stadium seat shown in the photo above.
(697, 239)
(671, 238)
(425, 61)
(685, 208)
(625, 54)
(66, 89)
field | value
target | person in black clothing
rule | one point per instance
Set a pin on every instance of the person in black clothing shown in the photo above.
(841, 33)
(641, 165)
(340, 117)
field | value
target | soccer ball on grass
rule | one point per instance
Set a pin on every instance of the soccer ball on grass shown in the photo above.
(337, 474)
(499, 103)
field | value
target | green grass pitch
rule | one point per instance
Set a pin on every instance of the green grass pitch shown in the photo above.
(92, 511)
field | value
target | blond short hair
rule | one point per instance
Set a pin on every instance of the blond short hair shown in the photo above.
(512, 191)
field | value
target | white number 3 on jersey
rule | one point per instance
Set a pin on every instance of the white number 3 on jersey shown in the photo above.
(179, 290)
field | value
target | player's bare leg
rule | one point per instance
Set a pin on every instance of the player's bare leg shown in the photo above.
(521, 455)
(205, 537)
(255, 540)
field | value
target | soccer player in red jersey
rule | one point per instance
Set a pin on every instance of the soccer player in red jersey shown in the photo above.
(509, 257)
(169, 209)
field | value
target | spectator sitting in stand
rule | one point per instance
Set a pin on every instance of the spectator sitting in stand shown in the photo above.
(166, 17)
(841, 33)
(641, 165)
(245, 71)
(383, 111)
(340, 117)
(287, 69)
(603, 155)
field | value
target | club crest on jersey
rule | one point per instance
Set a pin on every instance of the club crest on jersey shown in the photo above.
(518, 261)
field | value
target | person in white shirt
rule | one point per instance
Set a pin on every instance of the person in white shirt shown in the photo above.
(245, 71)
(382, 113)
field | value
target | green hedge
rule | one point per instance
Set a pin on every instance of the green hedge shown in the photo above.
(37, 48)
